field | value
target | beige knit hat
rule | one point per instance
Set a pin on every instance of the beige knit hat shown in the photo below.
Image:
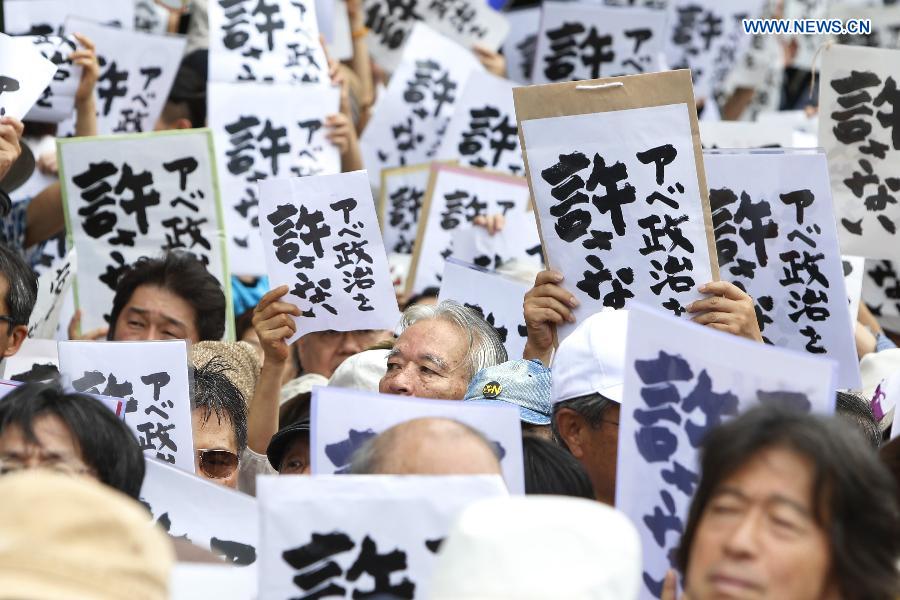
(64, 537)
(240, 357)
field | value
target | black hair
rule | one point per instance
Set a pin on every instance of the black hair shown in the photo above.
(188, 93)
(429, 292)
(217, 395)
(22, 285)
(550, 469)
(107, 445)
(294, 410)
(856, 411)
(890, 457)
(590, 406)
(853, 495)
(184, 275)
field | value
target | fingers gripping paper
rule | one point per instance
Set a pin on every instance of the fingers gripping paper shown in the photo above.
(620, 194)
(321, 239)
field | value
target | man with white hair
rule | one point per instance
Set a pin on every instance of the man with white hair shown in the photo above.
(439, 350)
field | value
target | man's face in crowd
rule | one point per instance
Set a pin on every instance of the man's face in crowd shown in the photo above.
(11, 337)
(214, 434)
(758, 538)
(428, 361)
(596, 448)
(323, 351)
(154, 313)
(296, 459)
(56, 447)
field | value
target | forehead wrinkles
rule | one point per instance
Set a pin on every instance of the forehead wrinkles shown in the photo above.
(434, 348)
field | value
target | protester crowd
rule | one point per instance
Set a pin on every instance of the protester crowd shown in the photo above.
(783, 503)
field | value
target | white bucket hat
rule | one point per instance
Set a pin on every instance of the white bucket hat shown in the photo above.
(529, 547)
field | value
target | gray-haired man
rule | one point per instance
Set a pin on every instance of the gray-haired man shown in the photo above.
(440, 349)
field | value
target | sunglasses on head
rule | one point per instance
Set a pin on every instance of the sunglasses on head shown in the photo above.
(217, 464)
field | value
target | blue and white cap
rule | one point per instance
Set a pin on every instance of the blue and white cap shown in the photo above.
(523, 383)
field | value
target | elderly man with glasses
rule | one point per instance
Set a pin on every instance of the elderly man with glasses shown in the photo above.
(18, 293)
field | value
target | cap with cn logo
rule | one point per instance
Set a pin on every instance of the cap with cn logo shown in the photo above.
(522, 383)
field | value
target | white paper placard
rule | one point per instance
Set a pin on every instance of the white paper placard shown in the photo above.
(797, 120)
(113, 404)
(518, 240)
(53, 286)
(49, 261)
(402, 195)
(881, 292)
(321, 239)
(208, 515)
(24, 75)
(483, 131)
(741, 134)
(47, 17)
(340, 45)
(856, 129)
(807, 45)
(204, 581)
(854, 269)
(411, 116)
(643, 3)
(776, 239)
(378, 533)
(7, 386)
(33, 354)
(139, 195)
(152, 17)
(668, 367)
(707, 37)
(57, 101)
(466, 22)
(761, 69)
(152, 378)
(325, 15)
(521, 43)
(588, 41)
(640, 235)
(456, 196)
(258, 135)
(343, 419)
(136, 73)
(498, 298)
(274, 41)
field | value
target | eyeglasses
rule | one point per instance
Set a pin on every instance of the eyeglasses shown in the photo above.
(8, 467)
(217, 464)
(12, 322)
